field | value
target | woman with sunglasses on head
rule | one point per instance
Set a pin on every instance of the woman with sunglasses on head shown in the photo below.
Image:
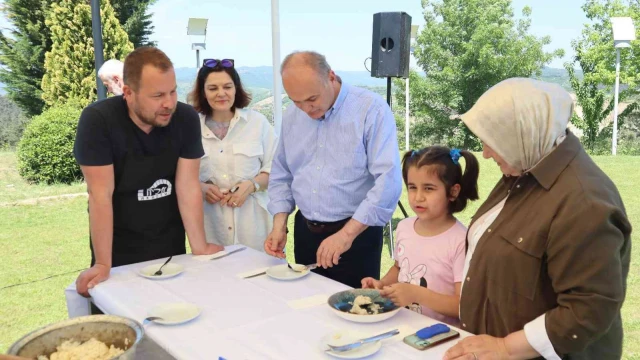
(239, 144)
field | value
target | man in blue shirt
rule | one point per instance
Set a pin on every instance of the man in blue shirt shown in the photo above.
(338, 162)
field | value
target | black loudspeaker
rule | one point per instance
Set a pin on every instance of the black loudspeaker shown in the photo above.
(390, 44)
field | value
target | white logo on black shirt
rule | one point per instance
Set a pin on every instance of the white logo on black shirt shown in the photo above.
(159, 189)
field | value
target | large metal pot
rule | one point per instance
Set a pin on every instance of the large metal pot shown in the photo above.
(111, 330)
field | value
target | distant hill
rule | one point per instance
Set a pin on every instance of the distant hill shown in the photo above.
(259, 80)
(262, 77)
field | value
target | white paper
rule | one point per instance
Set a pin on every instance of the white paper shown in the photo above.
(216, 255)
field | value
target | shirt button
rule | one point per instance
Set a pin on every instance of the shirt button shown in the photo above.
(464, 325)
(488, 230)
(221, 150)
(224, 176)
(314, 191)
(230, 227)
(520, 240)
(318, 168)
(518, 186)
(468, 278)
(575, 336)
(321, 145)
(315, 213)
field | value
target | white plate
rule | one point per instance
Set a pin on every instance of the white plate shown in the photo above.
(168, 271)
(174, 313)
(282, 272)
(338, 338)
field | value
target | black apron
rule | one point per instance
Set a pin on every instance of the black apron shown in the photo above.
(146, 220)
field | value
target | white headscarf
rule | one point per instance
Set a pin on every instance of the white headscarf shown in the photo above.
(521, 119)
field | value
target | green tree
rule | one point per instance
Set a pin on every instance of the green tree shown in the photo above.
(596, 58)
(24, 44)
(135, 20)
(69, 66)
(466, 47)
(596, 42)
(22, 49)
(12, 123)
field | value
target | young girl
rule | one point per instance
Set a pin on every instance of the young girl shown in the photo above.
(430, 247)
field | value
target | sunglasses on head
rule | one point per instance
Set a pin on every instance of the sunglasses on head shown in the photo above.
(212, 63)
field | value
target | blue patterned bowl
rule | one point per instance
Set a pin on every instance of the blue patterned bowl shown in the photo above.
(342, 302)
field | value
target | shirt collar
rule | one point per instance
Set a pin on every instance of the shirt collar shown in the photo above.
(344, 90)
(240, 115)
(547, 171)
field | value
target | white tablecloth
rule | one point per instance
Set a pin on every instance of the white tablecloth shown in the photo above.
(257, 318)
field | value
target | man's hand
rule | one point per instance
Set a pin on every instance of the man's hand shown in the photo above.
(332, 247)
(275, 243)
(402, 294)
(212, 193)
(208, 249)
(90, 278)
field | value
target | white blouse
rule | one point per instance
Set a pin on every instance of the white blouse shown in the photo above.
(245, 151)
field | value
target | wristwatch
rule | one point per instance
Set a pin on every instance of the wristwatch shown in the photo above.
(255, 185)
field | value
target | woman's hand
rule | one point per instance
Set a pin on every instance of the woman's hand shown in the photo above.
(481, 347)
(237, 198)
(212, 193)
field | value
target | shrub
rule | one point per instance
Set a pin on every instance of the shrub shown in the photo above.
(45, 152)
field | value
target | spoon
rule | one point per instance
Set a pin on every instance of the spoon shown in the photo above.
(159, 272)
(150, 319)
(301, 268)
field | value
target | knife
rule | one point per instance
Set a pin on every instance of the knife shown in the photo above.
(229, 253)
(254, 275)
(361, 342)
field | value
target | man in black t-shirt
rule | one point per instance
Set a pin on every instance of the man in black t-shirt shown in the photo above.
(140, 156)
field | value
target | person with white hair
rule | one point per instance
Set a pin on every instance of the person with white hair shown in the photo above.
(110, 73)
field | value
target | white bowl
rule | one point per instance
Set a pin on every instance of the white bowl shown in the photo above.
(338, 303)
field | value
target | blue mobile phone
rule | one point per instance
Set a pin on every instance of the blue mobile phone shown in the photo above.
(431, 336)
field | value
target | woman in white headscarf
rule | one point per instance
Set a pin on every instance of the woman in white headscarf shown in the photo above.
(548, 252)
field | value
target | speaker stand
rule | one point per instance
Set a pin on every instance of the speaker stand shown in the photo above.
(404, 212)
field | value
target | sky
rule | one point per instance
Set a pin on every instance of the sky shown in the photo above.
(339, 29)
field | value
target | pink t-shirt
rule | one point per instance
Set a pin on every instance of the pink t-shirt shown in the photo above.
(436, 262)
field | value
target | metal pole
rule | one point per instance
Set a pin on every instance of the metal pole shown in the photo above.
(197, 59)
(614, 141)
(96, 26)
(406, 121)
(275, 53)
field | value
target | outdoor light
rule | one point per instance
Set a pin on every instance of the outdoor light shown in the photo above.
(623, 33)
(198, 27)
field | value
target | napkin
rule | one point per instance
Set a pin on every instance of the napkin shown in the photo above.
(307, 302)
(252, 272)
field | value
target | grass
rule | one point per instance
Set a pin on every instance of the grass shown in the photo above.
(14, 188)
(51, 238)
